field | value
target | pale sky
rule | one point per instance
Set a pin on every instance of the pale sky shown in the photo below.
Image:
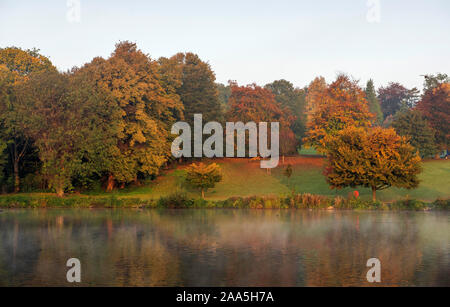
(248, 41)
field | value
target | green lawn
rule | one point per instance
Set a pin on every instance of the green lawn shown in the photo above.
(243, 178)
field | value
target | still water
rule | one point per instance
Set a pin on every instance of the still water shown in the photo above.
(223, 247)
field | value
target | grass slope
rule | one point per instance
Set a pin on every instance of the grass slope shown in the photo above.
(244, 178)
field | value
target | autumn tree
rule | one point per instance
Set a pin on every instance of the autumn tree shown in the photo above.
(435, 106)
(148, 106)
(343, 104)
(203, 177)
(253, 103)
(395, 96)
(60, 114)
(411, 123)
(376, 158)
(315, 94)
(374, 104)
(16, 65)
(294, 100)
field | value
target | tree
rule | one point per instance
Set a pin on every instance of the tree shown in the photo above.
(2, 159)
(315, 95)
(374, 104)
(203, 177)
(294, 100)
(194, 82)
(257, 104)
(148, 107)
(16, 67)
(411, 123)
(377, 158)
(288, 172)
(432, 81)
(59, 114)
(224, 95)
(435, 107)
(343, 104)
(395, 96)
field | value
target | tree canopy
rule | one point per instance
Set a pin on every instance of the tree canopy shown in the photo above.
(373, 102)
(376, 158)
(203, 177)
(435, 106)
(411, 123)
(343, 104)
(147, 108)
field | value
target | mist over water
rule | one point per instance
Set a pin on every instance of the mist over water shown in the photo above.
(125, 247)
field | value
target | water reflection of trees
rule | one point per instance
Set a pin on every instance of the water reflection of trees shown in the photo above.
(221, 247)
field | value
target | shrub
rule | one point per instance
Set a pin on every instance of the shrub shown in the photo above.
(409, 204)
(442, 204)
(176, 200)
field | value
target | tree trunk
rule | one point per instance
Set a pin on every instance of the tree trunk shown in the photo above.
(110, 183)
(374, 194)
(59, 191)
(203, 194)
(282, 159)
(16, 175)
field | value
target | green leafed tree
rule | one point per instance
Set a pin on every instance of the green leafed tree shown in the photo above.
(16, 66)
(432, 81)
(148, 106)
(294, 100)
(411, 123)
(373, 102)
(194, 82)
(224, 96)
(66, 118)
(3, 159)
(203, 177)
(376, 158)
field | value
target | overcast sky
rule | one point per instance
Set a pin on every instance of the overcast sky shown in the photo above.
(248, 41)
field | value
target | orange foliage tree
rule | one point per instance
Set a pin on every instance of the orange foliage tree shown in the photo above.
(376, 158)
(341, 105)
(435, 106)
(257, 104)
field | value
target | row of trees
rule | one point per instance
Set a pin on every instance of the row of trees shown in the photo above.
(345, 123)
(109, 121)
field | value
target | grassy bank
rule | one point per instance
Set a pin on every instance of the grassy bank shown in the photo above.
(246, 185)
(182, 200)
(244, 179)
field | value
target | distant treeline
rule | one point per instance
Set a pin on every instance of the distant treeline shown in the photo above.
(107, 124)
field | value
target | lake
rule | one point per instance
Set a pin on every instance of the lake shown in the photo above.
(126, 247)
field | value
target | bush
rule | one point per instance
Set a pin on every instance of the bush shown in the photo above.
(409, 204)
(442, 204)
(25, 201)
(308, 201)
(181, 200)
(176, 200)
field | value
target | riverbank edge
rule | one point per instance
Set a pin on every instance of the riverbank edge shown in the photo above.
(182, 201)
